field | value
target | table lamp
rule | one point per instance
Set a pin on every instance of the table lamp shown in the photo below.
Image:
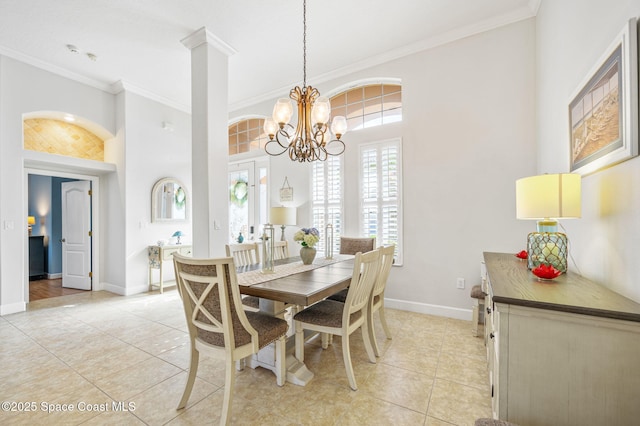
(177, 234)
(31, 220)
(282, 216)
(547, 198)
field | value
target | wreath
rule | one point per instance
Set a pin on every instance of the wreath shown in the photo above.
(180, 198)
(239, 193)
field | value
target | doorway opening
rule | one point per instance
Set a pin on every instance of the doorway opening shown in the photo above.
(55, 264)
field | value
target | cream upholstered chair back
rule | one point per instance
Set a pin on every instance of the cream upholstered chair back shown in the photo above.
(280, 250)
(216, 321)
(350, 245)
(244, 254)
(210, 295)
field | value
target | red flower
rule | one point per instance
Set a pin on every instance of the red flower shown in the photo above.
(546, 271)
(522, 255)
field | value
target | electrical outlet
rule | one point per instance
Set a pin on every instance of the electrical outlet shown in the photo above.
(460, 283)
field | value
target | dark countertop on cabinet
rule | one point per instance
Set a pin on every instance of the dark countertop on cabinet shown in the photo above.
(513, 283)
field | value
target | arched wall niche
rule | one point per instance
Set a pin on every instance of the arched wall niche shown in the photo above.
(64, 134)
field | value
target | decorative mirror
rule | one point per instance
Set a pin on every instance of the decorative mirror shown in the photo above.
(169, 201)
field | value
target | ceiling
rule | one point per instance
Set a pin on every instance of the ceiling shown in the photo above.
(138, 42)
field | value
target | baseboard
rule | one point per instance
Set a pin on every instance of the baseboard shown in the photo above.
(13, 308)
(128, 291)
(112, 288)
(54, 276)
(425, 308)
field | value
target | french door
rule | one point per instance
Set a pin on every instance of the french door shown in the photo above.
(248, 200)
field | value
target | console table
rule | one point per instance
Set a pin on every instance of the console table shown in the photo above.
(561, 352)
(159, 254)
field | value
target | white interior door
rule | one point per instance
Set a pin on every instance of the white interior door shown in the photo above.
(76, 235)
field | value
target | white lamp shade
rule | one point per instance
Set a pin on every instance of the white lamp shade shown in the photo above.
(283, 215)
(339, 125)
(549, 196)
(270, 127)
(282, 111)
(321, 111)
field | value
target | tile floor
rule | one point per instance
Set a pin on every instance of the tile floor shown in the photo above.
(84, 352)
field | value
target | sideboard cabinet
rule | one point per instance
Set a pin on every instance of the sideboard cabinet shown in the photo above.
(560, 352)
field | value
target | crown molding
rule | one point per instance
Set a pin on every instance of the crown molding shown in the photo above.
(520, 14)
(534, 5)
(202, 36)
(121, 85)
(46, 66)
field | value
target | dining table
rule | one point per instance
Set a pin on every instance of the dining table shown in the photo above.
(290, 286)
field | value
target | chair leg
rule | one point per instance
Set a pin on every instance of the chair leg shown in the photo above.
(229, 383)
(372, 333)
(366, 336)
(474, 319)
(193, 369)
(383, 320)
(299, 341)
(325, 340)
(281, 361)
(346, 355)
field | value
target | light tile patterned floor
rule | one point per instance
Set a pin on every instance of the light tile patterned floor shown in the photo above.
(84, 352)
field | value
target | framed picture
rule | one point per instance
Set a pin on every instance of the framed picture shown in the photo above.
(603, 112)
(286, 192)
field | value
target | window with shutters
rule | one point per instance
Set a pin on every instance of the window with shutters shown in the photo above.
(380, 186)
(326, 196)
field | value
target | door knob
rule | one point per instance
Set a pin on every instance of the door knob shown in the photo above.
(62, 240)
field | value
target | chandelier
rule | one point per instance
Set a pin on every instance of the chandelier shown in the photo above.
(311, 138)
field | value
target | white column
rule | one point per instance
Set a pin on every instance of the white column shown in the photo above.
(210, 152)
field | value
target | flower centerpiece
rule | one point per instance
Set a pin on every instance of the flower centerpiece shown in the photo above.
(308, 238)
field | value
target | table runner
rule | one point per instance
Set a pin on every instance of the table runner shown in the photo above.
(256, 277)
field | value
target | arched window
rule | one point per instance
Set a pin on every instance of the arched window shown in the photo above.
(369, 105)
(247, 135)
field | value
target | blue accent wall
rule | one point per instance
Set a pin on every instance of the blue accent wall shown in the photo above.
(45, 205)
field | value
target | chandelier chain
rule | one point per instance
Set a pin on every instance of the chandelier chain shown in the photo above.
(304, 43)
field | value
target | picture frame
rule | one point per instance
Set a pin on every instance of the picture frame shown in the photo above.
(286, 192)
(603, 111)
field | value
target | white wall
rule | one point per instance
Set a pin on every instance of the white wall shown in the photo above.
(142, 152)
(467, 135)
(152, 153)
(571, 37)
(25, 89)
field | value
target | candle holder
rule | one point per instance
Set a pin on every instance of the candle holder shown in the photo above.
(328, 241)
(267, 249)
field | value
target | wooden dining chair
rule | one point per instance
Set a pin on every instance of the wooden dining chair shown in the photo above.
(280, 250)
(350, 245)
(210, 295)
(245, 254)
(332, 317)
(376, 301)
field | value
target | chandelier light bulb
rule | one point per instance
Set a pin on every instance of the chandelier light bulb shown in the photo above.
(282, 111)
(270, 127)
(339, 126)
(321, 111)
